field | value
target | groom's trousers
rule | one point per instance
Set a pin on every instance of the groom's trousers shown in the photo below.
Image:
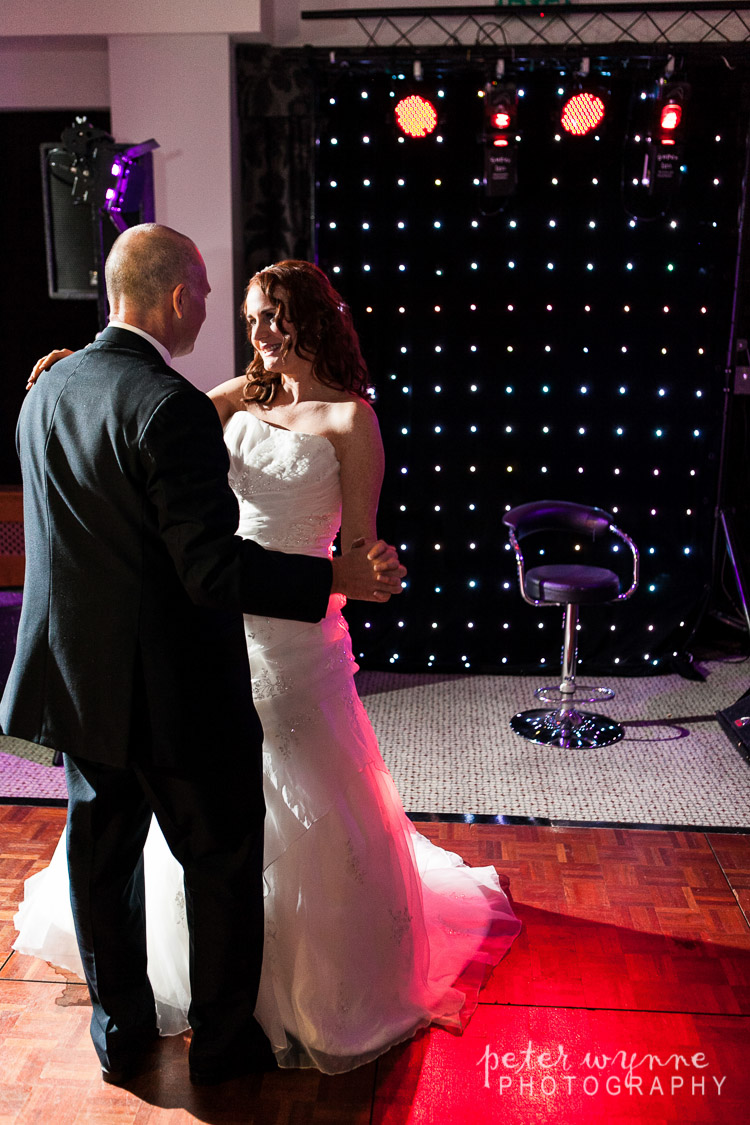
(214, 826)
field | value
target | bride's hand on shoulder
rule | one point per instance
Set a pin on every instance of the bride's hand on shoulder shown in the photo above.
(45, 363)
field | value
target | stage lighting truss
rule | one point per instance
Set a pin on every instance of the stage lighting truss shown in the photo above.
(571, 24)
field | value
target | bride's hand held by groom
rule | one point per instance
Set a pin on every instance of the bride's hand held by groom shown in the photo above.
(368, 572)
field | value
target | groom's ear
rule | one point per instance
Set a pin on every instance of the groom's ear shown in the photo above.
(178, 300)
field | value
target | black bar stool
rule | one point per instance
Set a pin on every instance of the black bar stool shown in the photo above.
(569, 585)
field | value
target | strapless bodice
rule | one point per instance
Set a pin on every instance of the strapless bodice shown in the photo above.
(287, 483)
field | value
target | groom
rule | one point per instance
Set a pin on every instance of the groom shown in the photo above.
(131, 655)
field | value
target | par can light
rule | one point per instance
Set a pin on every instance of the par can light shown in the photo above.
(416, 116)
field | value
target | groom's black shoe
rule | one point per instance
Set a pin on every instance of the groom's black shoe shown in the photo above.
(131, 1063)
(258, 1059)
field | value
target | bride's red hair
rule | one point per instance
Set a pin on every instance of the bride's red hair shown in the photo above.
(305, 298)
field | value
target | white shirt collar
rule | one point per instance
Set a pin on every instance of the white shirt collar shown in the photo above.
(114, 323)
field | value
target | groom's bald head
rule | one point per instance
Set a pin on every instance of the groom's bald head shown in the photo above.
(147, 262)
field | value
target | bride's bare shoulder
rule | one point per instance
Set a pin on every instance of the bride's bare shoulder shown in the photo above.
(352, 427)
(353, 412)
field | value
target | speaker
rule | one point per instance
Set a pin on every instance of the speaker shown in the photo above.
(735, 722)
(72, 223)
(69, 234)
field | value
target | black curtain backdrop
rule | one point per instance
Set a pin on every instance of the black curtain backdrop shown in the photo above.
(31, 322)
(275, 91)
(566, 341)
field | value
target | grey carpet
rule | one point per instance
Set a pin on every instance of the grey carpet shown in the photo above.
(449, 746)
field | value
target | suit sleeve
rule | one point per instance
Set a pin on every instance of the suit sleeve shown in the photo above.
(186, 464)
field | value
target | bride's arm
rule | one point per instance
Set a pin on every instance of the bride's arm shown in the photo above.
(227, 398)
(360, 452)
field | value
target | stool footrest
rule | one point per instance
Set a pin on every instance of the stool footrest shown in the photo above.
(583, 693)
(566, 729)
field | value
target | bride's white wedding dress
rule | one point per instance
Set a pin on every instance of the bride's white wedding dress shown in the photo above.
(368, 924)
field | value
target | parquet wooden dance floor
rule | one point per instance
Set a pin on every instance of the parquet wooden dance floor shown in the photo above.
(626, 998)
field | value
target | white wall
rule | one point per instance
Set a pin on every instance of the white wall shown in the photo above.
(53, 73)
(190, 115)
(128, 17)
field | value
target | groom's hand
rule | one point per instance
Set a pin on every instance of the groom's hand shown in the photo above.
(368, 572)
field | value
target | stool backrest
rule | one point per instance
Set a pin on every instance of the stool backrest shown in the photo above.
(557, 515)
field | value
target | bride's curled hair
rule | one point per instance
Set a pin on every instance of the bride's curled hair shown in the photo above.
(305, 298)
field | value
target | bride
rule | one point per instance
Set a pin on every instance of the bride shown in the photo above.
(368, 924)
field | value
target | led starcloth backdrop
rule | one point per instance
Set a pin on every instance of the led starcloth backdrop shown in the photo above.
(547, 316)
(562, 333)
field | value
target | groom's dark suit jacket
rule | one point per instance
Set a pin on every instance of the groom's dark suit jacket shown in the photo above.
(131, 639)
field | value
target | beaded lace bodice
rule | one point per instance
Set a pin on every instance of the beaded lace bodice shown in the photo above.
(287, 484)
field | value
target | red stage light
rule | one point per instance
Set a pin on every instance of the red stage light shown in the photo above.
(416, 116)
(500, 107)
(582, 113)
(671, 115)
(501, 119)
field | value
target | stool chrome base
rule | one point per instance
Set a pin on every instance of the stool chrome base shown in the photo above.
(566, 729)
